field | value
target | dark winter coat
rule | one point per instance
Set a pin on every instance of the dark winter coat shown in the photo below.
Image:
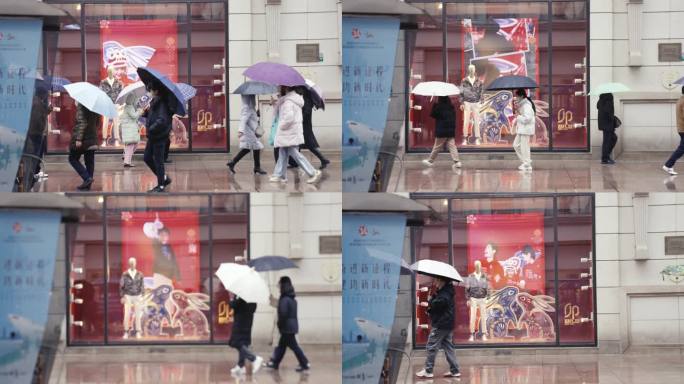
(307, 114)
(445, 119)
(441, 308)
(85, 130)
(243, 317)
(287, 313)
(606, 112)
(158, 123)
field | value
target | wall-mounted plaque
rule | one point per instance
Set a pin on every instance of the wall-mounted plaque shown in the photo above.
(669, 52)
(329, 245)
(308, 53)
(674, 245)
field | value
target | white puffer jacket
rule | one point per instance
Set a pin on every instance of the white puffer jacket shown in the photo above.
(525, 121)
(290, 132)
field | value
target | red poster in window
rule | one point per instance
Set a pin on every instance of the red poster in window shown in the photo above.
(510, 248)
(165, 245)
(129, 44)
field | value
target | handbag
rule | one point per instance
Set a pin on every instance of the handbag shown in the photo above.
(616, 122)
(259, 131)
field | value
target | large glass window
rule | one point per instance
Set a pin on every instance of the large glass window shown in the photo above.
(536, 256)
(543, 40)
(151, 278)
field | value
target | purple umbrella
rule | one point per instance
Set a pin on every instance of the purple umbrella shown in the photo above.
(274, 73)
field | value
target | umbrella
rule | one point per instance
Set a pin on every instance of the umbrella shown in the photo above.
(148, 75)
(512, 82)
(52, 83)
(275, 73)
(436, 269)
(187, 90)
(137, 88)
(612, 88)
(244, 281)
(435, 88)
(316, 94)
(92, 98)
(271, 263)
(255, 88)
(405, 268)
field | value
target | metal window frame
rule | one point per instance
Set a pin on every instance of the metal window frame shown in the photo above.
(549, 148)
(188, 33)
(105, 338)
(554, 196)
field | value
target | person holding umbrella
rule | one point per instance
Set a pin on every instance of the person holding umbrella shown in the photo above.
(241, 335)
(606, 124)
(247, 135)
(444, 114)
(310, 141)
(288, 327)
(158, 126)
(525, 126)
(130, 130)
(679, 152)
(84, 143)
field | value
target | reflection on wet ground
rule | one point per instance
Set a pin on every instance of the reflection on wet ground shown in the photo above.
(664, 366)
(643, 174)
(126, 366)
(189, 173)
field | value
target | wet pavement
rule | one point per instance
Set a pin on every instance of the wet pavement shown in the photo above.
(655, 367)
(127, 366)
(630, 174)
(189, 173)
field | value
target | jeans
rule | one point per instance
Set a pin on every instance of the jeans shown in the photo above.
(154, 158)
(244, 354)
(439, 143)
(521, 144)
(290, 161)
(609, 141)
(288, 340)
(281, 164)
(679, 152)
(86, 172)
(440, 338)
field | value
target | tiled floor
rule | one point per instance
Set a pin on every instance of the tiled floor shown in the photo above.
(190, 173)
(109, 366)
(549, 175)
(632, 368)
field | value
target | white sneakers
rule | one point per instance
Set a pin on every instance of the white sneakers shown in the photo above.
(525, 167)
(314, 179)
(238, 371)
(427, 162)
(256, 365)
(452, 374)
(424, 373)
(670, 171)
(471, 338)
(125, 335)
(276, 179)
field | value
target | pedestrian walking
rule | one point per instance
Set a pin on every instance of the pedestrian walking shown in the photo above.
(444, 114)
(440, 309)
(241, 335)
(524, 123)
(288, 327)
(606, 124)
(289, 135)
(130, 129)
(310, 141)
(84, 143)
(158, 127)
(679, 152)
(247, 135)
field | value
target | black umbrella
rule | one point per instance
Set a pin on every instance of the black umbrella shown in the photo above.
(271, 263)
(512, 82)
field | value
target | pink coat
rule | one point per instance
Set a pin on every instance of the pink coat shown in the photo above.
(290, 132)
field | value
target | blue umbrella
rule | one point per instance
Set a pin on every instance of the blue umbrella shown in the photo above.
(255, 88)
(271, 263)
(148, 75)
(187, 90)
(512, 82)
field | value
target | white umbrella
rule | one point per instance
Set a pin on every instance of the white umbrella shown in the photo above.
(435, 88)
(436, 268)
(244, 282)
(609, 88)
(137, 88)
(92, 98)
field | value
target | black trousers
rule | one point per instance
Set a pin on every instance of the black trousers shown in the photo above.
(288, 340)
(678, 153)
(244, 354)
(166, 150)
(610, 138)
(86, 172)
(257, 157)
(154, 158)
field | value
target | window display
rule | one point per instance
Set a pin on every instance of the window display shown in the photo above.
(527, 273)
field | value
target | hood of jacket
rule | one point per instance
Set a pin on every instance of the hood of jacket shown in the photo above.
(295, 98)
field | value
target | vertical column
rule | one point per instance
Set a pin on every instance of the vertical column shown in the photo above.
(640, 204)
(634, 9)
(295, 207)
(273, 29)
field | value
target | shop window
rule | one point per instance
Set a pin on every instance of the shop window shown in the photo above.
(536, 255)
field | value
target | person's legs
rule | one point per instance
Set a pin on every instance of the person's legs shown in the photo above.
(241, 356)
(301, 160)
(473, 317)
(129, 149)
(158, 153)
(281, 164)
(276, 153)
(167, 148)
(138, 312)
(316, 152)
(439, 143)
(75, 161)
(128, 306)
(453, 150)
(607, 146)
(89, 158)
(239, 156)
(256, 154)
(148, 157)
(432, 347)
(482, 304)
(246, 354)
(279, 351)
(448, 347)
(475, 115)
(291, 341)
(678, 153)
(525, 150)
(517, 146)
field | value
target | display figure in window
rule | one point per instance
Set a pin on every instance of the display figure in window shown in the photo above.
(477, 290)
(165, 262)
(471, 97)
(492, 267)
(131, 292)
(112, 87)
